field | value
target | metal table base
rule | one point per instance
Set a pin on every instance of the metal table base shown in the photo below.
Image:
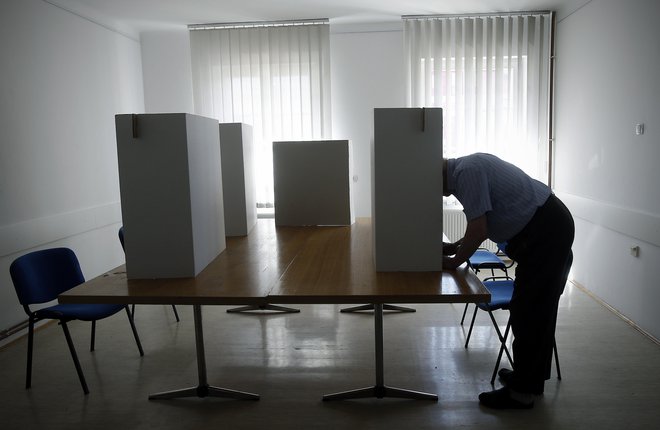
(380, 390)
(203, 389)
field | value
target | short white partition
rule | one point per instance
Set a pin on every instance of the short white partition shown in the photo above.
(170, 179)
(407, 189)
(312, 183)
(238, 186)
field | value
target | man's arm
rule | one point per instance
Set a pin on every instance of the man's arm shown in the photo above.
(475, 234)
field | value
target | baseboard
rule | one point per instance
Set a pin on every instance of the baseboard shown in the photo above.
(616, 312)
(14, 334)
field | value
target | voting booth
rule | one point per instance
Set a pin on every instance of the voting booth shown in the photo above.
(312, 183)
(238, 180)
(407, 189)
(170, 178)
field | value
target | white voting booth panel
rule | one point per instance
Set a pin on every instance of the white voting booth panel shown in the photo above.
(407, 189)
(238, 186)
(170, 180)
(312, 183)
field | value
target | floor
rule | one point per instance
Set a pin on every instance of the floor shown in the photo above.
(611, 372)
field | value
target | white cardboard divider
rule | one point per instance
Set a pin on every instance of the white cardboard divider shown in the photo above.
(407, 189)
(170, 180)
(312, 183)
(238, 183)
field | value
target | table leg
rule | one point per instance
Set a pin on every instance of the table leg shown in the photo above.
(380, 390)
(266, 307)
(370, 307)
(203, 389)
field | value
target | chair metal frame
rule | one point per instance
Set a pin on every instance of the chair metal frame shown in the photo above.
(58, 312)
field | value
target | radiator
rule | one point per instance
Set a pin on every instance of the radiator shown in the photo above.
(454, 223)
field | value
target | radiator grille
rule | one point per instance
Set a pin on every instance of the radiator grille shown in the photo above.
(454, 223)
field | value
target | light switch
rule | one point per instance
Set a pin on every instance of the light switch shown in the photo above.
(634, 251)
(639, 129)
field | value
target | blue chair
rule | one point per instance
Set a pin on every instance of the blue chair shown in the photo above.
(483, 259)
(121, 239)
(41, 276)
(501, 291)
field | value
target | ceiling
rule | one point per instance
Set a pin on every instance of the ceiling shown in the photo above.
(135, 16)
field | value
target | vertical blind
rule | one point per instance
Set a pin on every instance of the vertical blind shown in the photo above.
(273, 77)
(490, 74)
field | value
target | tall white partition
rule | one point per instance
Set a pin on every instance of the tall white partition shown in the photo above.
(407, 189)
(312, 183)
(238, 183)
(170, 178)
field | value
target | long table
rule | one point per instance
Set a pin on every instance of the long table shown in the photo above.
(301, 265)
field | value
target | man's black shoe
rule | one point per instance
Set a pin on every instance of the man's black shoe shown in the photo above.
(501, 399)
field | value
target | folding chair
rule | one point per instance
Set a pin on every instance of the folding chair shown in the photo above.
(483, 259)
(501, 291)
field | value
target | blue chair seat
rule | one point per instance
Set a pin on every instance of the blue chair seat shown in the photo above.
(83, 312)
(500, 295)
(485, 259)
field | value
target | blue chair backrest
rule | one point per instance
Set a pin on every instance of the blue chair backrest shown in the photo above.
(121, 236)
(41, 276)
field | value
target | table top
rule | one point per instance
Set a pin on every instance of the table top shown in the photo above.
(289, 265)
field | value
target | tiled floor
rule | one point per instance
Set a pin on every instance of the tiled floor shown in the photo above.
(611, 372)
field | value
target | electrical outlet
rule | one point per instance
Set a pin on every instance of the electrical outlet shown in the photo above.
(634, 251)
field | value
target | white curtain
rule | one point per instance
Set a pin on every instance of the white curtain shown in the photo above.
(275, 78)
(490, 76)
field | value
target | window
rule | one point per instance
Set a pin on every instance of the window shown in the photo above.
(275, 77)
(490, 76)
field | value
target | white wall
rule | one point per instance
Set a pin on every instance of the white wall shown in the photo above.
(167, 71)
(607, 63)
(63, 80)
(367, 72)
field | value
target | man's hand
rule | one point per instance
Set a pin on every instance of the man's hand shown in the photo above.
(475, 234)
(449, 248)
(449, 263)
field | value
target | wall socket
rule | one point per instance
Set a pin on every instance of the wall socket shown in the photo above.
(634, 251)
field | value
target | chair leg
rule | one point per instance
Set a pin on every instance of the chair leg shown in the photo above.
(28, 374)
(176, 314)
(464, 312)
(133, 310)
(474, 316)
(503, 348)
(554, 347)
(72, 349)
(135, 333)
(91, 346)
(499, 335)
